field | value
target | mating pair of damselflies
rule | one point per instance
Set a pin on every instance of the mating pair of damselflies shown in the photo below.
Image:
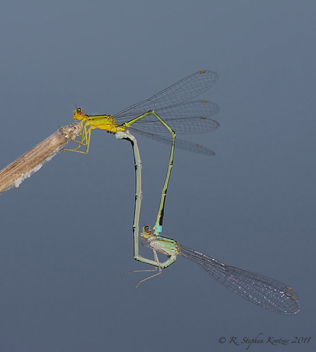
(165, 112)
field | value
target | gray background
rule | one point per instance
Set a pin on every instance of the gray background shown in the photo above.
(66, 233)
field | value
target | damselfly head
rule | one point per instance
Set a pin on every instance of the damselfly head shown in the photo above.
(146, 232)
(78, 114)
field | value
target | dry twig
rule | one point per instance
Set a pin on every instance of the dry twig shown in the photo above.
(32, 161)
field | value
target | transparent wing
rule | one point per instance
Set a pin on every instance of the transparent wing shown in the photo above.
(180, 143)
(184, 90)
(263, 291)
(187, 118)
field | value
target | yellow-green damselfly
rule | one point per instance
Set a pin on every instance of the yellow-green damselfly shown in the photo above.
(166, 110)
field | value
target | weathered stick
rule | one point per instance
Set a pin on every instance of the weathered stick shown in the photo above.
(32, 161)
